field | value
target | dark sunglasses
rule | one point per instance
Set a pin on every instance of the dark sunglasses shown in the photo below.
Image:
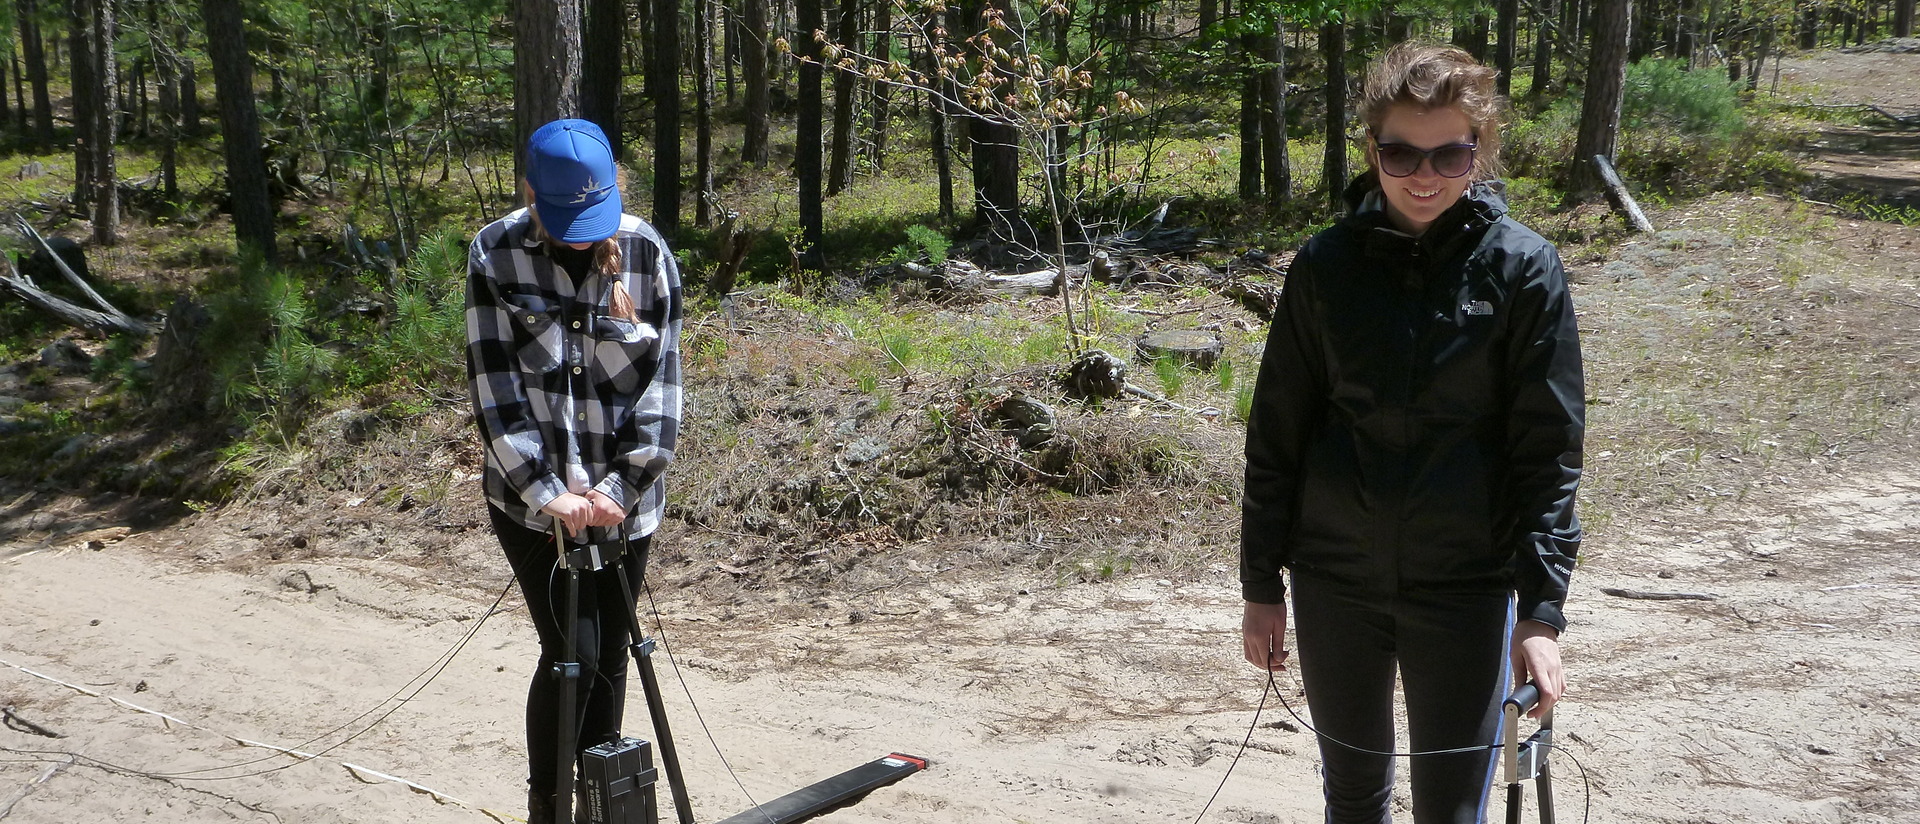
(1401, 160)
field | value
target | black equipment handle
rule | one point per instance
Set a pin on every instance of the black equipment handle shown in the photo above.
(1524, 698)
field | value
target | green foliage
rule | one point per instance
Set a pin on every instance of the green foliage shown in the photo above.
(1172, 375)
(425, 340)
(1865, 207)
(923, 241)
(1662, 94)
(263, 360)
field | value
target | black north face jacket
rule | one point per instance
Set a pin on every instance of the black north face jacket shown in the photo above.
(1418, 419)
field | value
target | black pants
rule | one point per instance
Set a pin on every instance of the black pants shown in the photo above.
(601, 638)
(1451, 651)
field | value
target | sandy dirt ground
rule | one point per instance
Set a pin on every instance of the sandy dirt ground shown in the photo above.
(1791, 697)
(175, 659)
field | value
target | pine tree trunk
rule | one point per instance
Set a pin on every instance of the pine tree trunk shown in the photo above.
(87, 97)
(102, 126)
(939, 122)
(1506, 34)
(996, 169)
(189, 88)
(1903, 18)
(703, 110)
(1606, 83)
(19, 93)
(754, 43)
(840, 173)
(1543, 49)
(546, 68)
(167, 63)
(882, 91)
(239, 125)
(807, 136)
(664, 66)
(1277, 178)
(1334, 174)
(601, 67)
(1250, 99)
(35, 51)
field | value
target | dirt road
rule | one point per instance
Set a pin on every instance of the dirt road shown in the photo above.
(1793, 696)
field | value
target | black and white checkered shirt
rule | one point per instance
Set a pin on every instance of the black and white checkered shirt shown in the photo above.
(568, 397)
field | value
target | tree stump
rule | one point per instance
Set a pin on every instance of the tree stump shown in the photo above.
(1201, 350)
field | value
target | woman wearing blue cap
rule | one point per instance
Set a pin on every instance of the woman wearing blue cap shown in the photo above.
(573, 362)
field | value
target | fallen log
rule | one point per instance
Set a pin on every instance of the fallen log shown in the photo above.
(1623, 201)
(960, 276)
(70, 313)
(107, 319)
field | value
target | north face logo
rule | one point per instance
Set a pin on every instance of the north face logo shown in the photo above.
(1477, 307)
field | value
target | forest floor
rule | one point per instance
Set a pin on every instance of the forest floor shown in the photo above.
(1101, 688)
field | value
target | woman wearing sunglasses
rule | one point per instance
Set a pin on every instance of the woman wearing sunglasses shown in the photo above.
(1413, 454)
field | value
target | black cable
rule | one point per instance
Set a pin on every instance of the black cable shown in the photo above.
(1270, 687)
(1264, 691)
(431, 673)
(660, 631)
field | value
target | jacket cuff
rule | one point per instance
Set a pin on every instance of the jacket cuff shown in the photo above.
(1545, 612)
(542, 491)
(615, 487)
(1273, 591)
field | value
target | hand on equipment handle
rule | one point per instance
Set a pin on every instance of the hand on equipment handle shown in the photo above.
(1263, 634)
(574, 512)
(1536, 658)
(605, 511)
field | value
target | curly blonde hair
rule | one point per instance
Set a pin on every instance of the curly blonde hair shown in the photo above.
(1431, 77)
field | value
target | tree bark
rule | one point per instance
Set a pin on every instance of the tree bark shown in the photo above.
(1333, 51)
(665, 68)
(546, 68)
(1543, 49)
(1606, 83)
(239, 125)
(1507, 32)
(754, 43)
(1276, 175)
(85, 98)
(601, 68)
(806, 160)
(35, 52)
(939, 121)
(95, 124)
(167, 63)
(189, 88)
(703, 110)
(882, 91)
(1250, 96)
(840, 172)
(996, 162)
(1903, 18)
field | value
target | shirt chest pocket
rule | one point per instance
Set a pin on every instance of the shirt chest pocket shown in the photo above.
(624, 352)
(537, 333)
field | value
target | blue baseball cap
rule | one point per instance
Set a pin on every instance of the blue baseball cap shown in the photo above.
(570, 168)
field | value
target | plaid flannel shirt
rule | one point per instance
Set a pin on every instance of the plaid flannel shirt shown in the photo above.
(569, 398)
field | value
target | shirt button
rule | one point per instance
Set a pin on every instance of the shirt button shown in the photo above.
(576, 324)
(582, 416)
(529, 318)
(576, 370)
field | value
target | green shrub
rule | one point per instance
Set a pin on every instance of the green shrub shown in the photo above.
(424, 343)
(922, 240)
(1661, 93)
